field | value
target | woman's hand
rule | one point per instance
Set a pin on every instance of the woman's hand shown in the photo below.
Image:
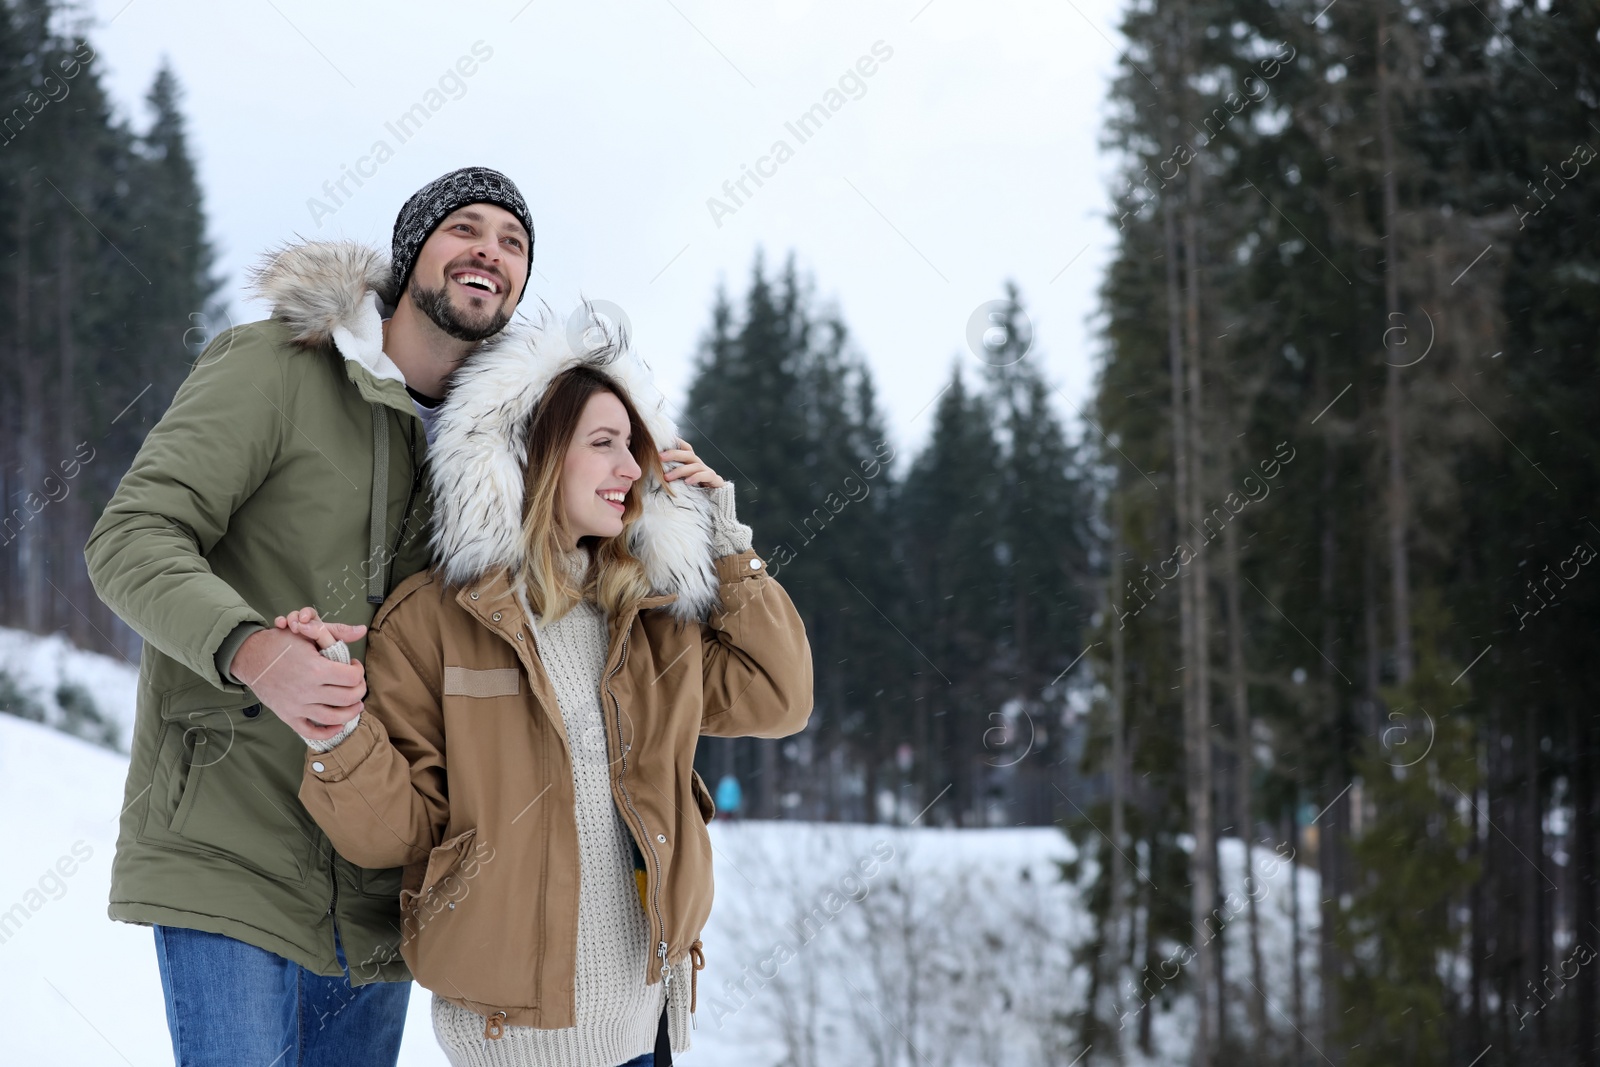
(307, 623)
(693, 469)
(325, 635)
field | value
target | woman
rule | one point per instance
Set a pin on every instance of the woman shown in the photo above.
(526, 746)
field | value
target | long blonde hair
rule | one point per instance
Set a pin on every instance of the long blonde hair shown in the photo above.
(617, 578)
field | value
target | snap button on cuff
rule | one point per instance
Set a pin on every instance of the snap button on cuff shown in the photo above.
(755, 564)
(317, 766)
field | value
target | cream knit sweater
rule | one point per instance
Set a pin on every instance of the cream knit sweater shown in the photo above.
(617, 1013)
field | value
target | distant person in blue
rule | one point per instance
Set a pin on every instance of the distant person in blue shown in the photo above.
(729, 796)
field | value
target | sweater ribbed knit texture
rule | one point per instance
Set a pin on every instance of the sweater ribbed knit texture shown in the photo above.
(729, 536)
(339, 653)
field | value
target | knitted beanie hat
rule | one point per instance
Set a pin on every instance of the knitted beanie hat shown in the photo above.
(430, 205)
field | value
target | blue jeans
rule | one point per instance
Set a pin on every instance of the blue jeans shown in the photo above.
(230, 1004)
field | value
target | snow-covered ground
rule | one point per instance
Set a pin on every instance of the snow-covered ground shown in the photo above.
(828, 944)
(851, 906)
(38, 666)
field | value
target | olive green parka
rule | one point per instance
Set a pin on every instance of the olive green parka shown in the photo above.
(288, 471)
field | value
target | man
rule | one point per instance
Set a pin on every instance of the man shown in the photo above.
(286, 473)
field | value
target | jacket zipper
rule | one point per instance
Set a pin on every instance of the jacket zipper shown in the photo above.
(655, 897)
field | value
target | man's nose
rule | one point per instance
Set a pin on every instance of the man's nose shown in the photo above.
(488, 248)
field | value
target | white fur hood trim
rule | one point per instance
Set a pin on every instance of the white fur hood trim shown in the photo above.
(327, 291)
(480, 448)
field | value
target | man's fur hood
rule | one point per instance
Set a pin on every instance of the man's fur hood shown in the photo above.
(329, 293)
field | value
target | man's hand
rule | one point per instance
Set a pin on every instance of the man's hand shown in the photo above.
(315, 696)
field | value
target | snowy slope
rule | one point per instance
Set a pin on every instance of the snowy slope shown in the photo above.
(79, 989)
(828, 944)
(76, 987)
(38, 665)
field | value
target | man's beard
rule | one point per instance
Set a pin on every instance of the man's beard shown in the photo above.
(435, 303)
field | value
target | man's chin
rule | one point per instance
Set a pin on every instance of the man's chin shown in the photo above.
(467, 331)
(475, 321)
(466, 319)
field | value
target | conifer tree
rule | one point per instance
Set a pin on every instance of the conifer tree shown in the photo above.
(1044, 526)
(105, 259)
(786, 407)
(951, 514)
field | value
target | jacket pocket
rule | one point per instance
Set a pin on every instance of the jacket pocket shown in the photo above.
(221, 786)
(183, 746)
(449, 857)
(227, 809)
(702, 796)
(182, 752)
(448, 871)
(446, 883)
(170, 798)
(192, 745)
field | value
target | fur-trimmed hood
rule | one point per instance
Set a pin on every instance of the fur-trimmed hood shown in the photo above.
(480, 450)
(327, 292)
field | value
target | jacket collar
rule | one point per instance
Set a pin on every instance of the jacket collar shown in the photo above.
(494, 601)
(495, 594)
(327, 293)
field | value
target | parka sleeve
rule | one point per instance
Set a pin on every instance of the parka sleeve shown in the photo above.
(216, 444)
(381, 794)
(755, 656)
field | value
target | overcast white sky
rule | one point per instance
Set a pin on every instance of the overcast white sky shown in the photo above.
(971, 156)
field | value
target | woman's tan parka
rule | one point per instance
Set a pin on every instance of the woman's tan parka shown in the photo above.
(460, 769)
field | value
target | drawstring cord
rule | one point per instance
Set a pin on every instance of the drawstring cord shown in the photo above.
(697, 954)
